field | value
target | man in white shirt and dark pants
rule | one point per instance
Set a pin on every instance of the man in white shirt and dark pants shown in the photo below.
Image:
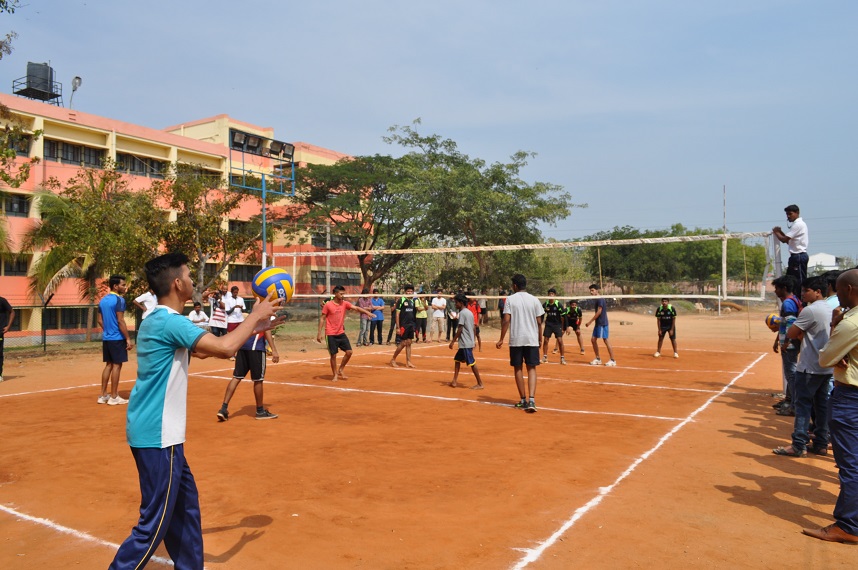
(522, 317)
(796, 237)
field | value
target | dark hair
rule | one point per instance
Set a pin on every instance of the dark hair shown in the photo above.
(785, 281)
(233, 288)
(364, 291)
(831, 277)
(791, 208)
(520, 281)
(162, 270)
(339, 288)
(594, 286)
(197, 304)
(375, 290)
(552, 290)
(460, 297)
(665, 299)
(407, 286)
(573, 301)
(817, 283)
(114, 280)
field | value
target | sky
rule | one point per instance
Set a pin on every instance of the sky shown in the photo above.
(648, 111)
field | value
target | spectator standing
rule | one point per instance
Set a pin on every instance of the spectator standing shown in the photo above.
(439, 308)
(115, 341)
(7, 317)
(452, 315)
(217, 319)
(365, 303)
(421, 308)
(146, 303)
(789, 348)
(841, 353)
(377, 322)
(235, 307)
(797, 239)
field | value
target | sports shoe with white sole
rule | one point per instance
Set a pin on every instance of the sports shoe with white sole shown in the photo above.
(222, 415)
(596, 362)
(544, 358)
(676, 355)
(531, 407)
(265, 415)
(562, 360)
(103, 399)
(656, 355)
(117, 401)
(611, 363)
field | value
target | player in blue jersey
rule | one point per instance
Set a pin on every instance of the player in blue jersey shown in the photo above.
(157, 409)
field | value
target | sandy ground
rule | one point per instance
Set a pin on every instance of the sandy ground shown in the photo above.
(655, 463)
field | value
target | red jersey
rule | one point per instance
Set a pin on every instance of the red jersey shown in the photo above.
(335, 317)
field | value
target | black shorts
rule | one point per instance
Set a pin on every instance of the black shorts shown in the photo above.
(575, 325)
(114, 351)
(552, 329)
(408, 333)
(252, 361)
(339, 342)
(476, 331)
(519, 355)
(671, 332)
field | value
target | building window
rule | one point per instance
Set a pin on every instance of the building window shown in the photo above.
(52, 150)
(157, 168)
(17, 267)
(21, 144)
(17, 205)
(93, 157)
(51, 319)
(71, 153)
(344, 278)
(243, 272)
(73, 318)
(337, 242)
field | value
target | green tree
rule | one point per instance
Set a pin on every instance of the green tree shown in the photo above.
(13, 170)
(467, 198)
(93, 227)
(202, 229)
(368, 201)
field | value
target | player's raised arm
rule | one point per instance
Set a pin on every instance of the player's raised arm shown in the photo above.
(259, 320)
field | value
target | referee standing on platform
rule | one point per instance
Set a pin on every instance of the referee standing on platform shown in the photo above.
(796, 237)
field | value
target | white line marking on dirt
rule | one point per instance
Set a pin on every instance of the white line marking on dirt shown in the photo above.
(533, 554)
(70, 531)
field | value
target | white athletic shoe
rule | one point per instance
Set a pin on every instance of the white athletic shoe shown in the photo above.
(562, 360)
(103, 399)
(656, 355)
(611, 363)
(596, 362)
(676, 355)
(544, 358)
(118, 400)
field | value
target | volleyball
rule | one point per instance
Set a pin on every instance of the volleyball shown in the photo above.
(773, 321)
(273, 280)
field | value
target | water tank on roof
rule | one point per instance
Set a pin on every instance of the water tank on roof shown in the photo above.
(39, 83)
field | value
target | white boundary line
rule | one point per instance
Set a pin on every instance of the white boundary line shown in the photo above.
(533, 554)
(70, 531)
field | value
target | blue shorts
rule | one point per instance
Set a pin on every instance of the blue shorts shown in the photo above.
(600, 331)
(519, 355)
(465, 355)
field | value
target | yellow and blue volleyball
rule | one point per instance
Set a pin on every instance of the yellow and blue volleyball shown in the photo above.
(773, 321)
(273, 280)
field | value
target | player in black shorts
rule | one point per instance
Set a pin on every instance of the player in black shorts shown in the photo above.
(666, 318)
(406, 324)
(574, 314)
(554, 314)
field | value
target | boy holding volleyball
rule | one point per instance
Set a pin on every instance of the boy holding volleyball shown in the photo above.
(157, 409)
(332, 322)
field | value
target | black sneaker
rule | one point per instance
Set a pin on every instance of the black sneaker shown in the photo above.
(222, 416)
(521, 405)
(531, 407)
(265, 415)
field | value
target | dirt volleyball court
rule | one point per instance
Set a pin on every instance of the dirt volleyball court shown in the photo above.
(657, 463)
